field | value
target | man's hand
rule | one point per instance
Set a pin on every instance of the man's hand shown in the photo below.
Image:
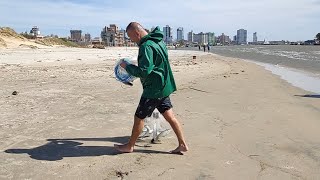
(123, 65)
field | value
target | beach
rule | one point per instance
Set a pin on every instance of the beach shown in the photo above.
(240, 120)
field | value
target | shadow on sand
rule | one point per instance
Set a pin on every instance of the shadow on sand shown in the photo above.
(57, 149)
(309, 95)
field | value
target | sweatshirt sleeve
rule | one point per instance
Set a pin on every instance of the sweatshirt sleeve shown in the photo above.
(145, 63)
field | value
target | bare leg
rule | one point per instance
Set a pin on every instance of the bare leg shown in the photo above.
(176, 126)
(136, 130)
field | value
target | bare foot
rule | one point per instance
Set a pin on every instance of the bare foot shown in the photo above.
(180, 149)
(125, 148)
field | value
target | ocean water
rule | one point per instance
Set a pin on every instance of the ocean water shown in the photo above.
(306, 58)
(299, 65)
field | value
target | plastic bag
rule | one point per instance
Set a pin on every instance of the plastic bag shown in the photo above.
(155, 126)
(121, 74)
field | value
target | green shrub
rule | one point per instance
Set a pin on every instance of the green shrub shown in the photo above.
(8, 32)
(50, 41)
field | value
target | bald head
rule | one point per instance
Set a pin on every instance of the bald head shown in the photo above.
(135, 31)
(134, 26)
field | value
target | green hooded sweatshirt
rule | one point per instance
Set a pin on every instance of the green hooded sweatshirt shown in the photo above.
(153, 67)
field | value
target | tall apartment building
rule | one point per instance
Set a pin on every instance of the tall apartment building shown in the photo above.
(112, 36)
(211, 38)
(75, 35)
(120, 38)
(255, 38)
(87, 37)
(233, 41)
(241, 36)
(167, 32)
(190, 37)
(223, 39)
(196, 38)
(180, 34)
(201, 38)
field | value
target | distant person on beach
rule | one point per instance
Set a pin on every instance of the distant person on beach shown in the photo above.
(199, 47)
(204, 48)
(157, 81)
(208, 47)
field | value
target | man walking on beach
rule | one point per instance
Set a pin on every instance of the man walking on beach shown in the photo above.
(158, 83)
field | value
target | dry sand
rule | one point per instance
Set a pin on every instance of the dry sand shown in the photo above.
(15, 43)
(240, 121)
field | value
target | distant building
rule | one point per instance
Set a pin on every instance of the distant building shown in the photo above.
(112, 36)
(75, 35)
(52, 36)
(241, 36)
(167, 31)
(255, 38)
(180, 34)
(204, 38)
(201, 38)
(190, 37)
(211, 38)
(121, 37)
(223, 39)
(235, 38)
(108, 35)
(197, 38)
(283, 42)
(35, 32)
(87, 37)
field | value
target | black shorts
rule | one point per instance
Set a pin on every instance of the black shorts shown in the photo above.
(147, 106)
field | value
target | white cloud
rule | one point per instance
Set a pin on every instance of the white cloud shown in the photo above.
(272, 19)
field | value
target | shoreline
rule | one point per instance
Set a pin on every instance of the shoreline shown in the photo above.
(266, 59)
(301, 78)
(296, 77)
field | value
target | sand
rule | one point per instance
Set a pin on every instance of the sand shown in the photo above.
(240, 121)
(16, 43)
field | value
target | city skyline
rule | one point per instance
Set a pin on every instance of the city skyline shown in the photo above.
(290, 20)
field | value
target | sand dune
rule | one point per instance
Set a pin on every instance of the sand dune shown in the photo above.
(12, 40)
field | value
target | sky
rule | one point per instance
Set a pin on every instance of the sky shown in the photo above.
(291, 20)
